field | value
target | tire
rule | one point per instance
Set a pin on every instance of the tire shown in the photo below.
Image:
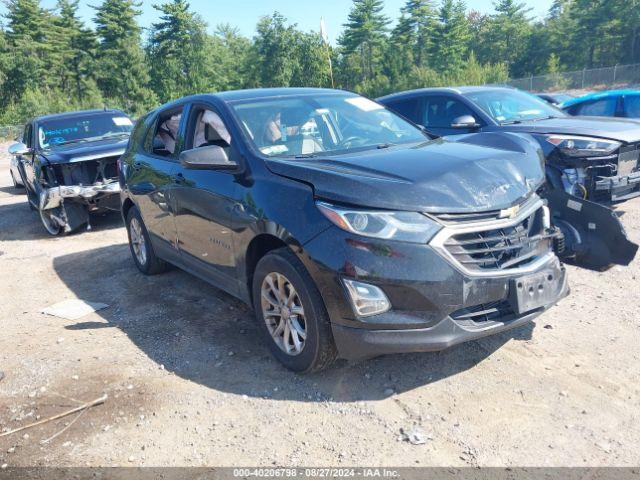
(304, 312)
(140, 245)
(49, 224)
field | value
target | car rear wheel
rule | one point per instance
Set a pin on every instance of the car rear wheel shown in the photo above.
(141, 249)
(291, 313)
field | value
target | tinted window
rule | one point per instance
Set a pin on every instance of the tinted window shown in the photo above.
(506, 106)
(83, 128)
(406, 108)
(442, 111)
(632, 106)
(605, 107)
(26, 136)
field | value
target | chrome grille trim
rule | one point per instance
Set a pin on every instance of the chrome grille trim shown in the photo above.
(442, 243)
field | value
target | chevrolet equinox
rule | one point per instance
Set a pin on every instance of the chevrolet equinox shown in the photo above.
(350, 230)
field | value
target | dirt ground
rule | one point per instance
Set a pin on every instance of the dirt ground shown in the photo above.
(189, 382)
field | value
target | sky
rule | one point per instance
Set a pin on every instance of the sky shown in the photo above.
(244, 14)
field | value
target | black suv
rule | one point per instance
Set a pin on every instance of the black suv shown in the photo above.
(593, 158)
(347, 228)
(68, 165)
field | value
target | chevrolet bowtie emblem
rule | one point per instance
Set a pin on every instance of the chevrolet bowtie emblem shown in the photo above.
(510, 212)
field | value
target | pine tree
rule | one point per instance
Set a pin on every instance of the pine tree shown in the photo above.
(122, 72)
(74, 46)
(422, 19)
(178, 52)
(509, 33)
(365, 34)
(451, 40)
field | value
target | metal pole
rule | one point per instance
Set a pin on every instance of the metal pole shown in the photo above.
(584, 71)
(615, 68)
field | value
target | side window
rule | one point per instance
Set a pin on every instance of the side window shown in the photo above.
(598, 108)
(207, 128)
(26, 136)
(632, 106)
(441, 112)
(407, 108)
(163, 135)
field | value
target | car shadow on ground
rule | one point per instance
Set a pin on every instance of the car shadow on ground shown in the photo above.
(19, 222)
(11, 190)
(206, 336)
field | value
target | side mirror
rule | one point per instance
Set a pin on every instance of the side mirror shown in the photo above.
(464, 121)
(211, 157)
(18, 148)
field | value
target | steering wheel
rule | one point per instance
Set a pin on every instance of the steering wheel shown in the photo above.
(349, 141)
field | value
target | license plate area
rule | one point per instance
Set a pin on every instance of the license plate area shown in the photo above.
(530, 292)
(627, 162)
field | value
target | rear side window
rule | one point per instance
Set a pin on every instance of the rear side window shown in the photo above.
(441, 112)
(632, 106)
(406, 108)
(605, 107)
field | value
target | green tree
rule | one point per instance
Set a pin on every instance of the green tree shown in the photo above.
(74, 46)
(122, 73)
(180, 53)
(451, 39)
(365, 36)
(421, 20)
(509, 32)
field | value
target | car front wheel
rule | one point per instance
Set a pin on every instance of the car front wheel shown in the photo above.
(141, 249)
(292, 314)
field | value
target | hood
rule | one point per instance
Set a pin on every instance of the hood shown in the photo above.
(81, 152)
(437, 177)
(620, 129)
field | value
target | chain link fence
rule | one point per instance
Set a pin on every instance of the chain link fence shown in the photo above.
(607, 77)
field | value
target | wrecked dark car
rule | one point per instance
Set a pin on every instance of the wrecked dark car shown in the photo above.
(592, 158)
(68, 165)
(350, 231)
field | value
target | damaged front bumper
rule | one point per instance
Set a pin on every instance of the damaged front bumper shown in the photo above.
(619, 188)
(54, 197)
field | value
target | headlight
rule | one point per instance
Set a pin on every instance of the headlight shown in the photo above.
(403, 226)
(583, 146)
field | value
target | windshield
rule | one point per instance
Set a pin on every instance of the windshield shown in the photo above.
(304, 126)
(513, 106)
(83, 128)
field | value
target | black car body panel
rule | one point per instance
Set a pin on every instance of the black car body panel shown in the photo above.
(69, 181)
(425, 178)
(493, 231)
(599, 178)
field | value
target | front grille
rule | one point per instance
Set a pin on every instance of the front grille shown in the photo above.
(511, 245)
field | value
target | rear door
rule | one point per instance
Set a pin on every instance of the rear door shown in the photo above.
(631, 106)
(151, 178)
(205, 202)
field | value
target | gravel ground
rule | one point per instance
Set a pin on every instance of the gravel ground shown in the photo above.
(190, 383)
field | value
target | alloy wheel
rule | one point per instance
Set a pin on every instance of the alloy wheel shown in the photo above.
(49, 222)
(137, 241)
(283, 313)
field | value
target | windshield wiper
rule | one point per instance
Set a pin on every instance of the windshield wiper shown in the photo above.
(382, 146)
(305, 155)
(511, 122)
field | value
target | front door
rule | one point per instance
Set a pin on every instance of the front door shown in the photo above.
(205, 201)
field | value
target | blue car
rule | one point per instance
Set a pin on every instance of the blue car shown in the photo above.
(613, 103)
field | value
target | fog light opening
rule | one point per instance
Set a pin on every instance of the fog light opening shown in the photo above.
(367, 300)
